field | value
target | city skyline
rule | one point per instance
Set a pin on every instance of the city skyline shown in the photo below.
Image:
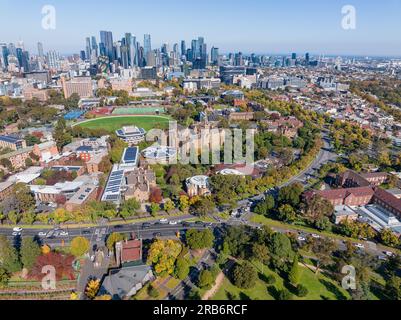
(262, 28)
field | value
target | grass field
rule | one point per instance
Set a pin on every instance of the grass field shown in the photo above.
(114, 123)
(319, 287)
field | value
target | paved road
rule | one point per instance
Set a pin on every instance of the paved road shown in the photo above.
(97, 235)
(325, 156)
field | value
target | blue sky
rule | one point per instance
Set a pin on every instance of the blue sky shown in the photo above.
(261, 26)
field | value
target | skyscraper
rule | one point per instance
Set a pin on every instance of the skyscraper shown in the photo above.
(5, 52)
(183, 48)
(94, 46)
(214, 55)
(106, 37)
(40, 50)
(147, 44)
(88, 47)
(130, 42)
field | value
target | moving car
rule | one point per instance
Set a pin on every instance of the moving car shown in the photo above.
(173, 223)
(157, 234)
(42, 234)
(63, 234)
(146, 225)
(17, 229)
(163, 221)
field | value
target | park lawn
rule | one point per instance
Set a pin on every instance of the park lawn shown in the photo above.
(319, 287)
(112, 124)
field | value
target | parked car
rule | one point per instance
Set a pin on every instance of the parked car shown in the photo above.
(63, 234)
(42, 234)
(16, 234)
(302, 239)
(316, 236)
(360, 246)
(163, 221)
(389, 254)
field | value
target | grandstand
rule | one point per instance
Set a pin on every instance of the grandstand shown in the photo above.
(139, 111)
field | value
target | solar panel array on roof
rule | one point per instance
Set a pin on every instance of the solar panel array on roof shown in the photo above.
(130, 155)
(9, 139)
(112, 190)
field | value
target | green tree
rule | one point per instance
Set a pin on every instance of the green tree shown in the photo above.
(129, 208)
(8, 256)
(203, 207)
(181, 268)
(244, 275)
(24, 197)
(286, 213)
(4, 277)
(79, 246)
(284, 295)
(184, 203)
(199, 239)
(393, 288)
(29, 252)
(14, 217)
(112, 239)
(281, 251)
(260, 252)
(389, 238)
(154, 209)
(323, 223)
(206, 279)
(61, 136)
(169, 206)
(294, 274)
(266, 206)
(291, 194)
